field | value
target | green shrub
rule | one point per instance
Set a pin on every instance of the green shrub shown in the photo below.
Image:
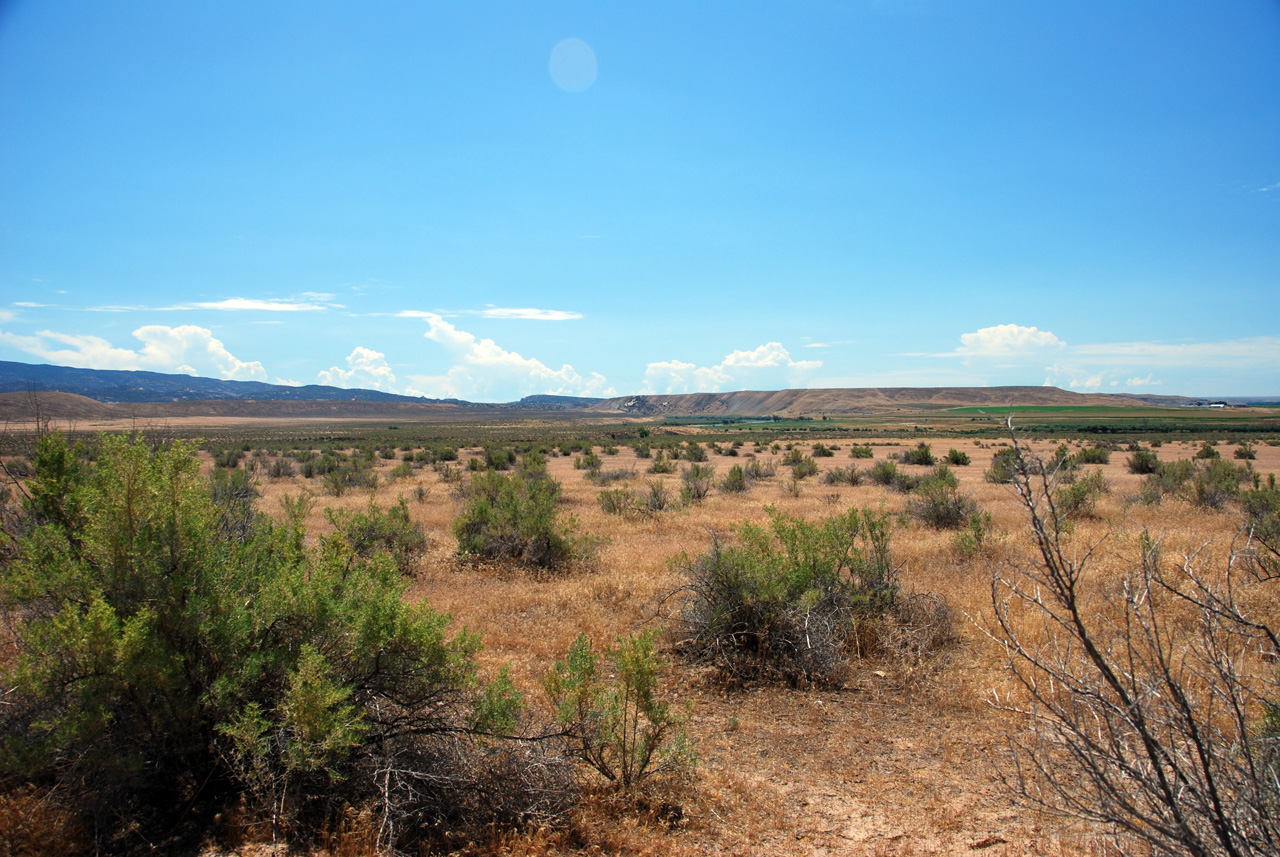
(794, 456)
(921, 455)
(280, 468)
(1245, 452)
(589, 462)
(233, 493)
(511, 517)
(821, 450)
(938, 503)
(787, 601)
(804, 468)
(850, 475)
(499, 458)
(642, 450)
(1207, 452)
(1093, 455)
(662, 464)
(977, 537)
(1080, 498)
(957, 458)
(941, 475)
(533, 462)
(164, 671)
(1143, 461)
(694, 452)
(347, 475)
(1005, 465)
(735, 481)
(613, 721)
(390, 532)
(617, 501)
(757, 469)
(883, 473)
(1063, 467)
(697, 479)
(403, 470)
(608, 477)
(657, 500)
(1262, 516)
(856, 451)
(905, 483)
(1169, 478)
(1216, 482)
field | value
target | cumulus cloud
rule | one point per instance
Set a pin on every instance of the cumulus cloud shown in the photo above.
(769, 365)
(483, 369)
(1148, 381)
(1007, 339)
(366, 369)
(187, 349)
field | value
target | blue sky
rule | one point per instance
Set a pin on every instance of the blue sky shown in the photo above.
(487, 200)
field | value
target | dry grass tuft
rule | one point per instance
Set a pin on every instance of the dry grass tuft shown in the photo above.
(35, 822)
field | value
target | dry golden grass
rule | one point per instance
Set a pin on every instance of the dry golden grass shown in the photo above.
(900, 760)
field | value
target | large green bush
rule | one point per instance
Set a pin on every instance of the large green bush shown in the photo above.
(165, 667)
(921, 455)
(515, 517)
(1143, 461)
(938, 503)
(787, 600)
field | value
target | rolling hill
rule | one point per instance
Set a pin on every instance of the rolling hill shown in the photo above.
(92, 394)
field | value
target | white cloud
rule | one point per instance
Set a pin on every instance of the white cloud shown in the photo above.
(528, 314)
(187, 349)
(367, 370)
(254, 304)
(1007, 339)
(483, 369)
(288, 382)
(768, 366)
(7, 315)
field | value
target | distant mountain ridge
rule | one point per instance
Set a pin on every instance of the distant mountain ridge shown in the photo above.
(118, 385)
(759, 403)
(103, 393)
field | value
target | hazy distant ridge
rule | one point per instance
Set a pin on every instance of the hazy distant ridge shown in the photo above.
(114, 385)
(752, 403)
(157, 394)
